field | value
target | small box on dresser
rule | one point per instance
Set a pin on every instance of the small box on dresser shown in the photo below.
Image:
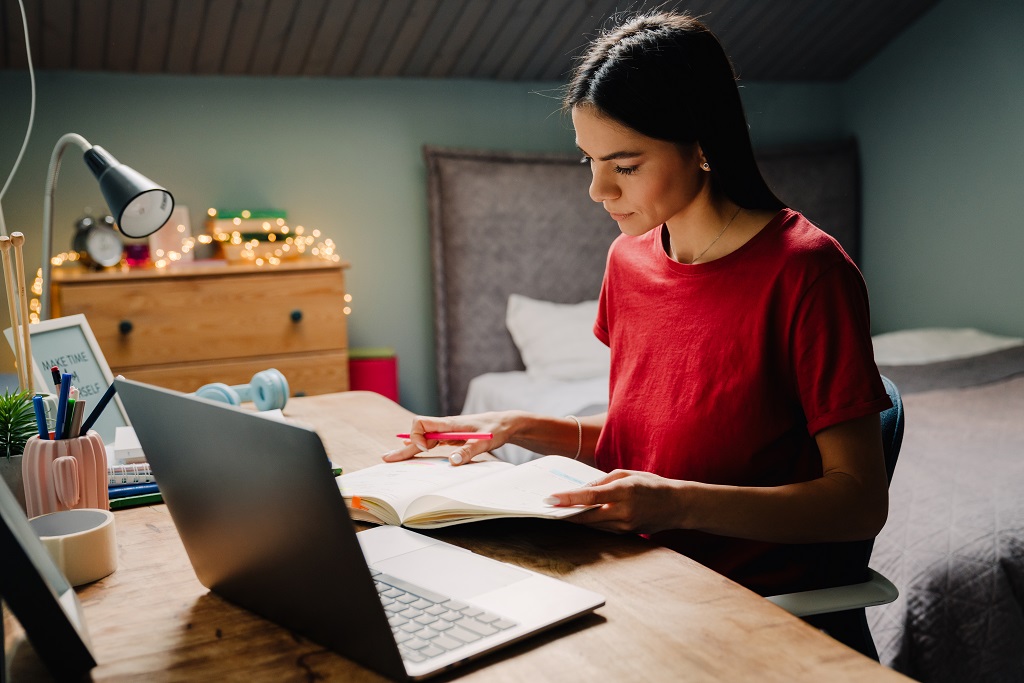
(190, 325)
(374, 369)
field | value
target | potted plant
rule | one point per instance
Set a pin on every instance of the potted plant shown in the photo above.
(17, 424)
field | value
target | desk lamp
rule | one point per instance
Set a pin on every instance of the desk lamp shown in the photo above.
(140, 206)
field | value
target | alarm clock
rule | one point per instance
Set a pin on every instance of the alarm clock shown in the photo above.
(97, 242)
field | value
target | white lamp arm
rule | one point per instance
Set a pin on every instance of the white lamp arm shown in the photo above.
(51, 184)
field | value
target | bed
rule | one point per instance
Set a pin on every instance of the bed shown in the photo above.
(954, 540)
(518, 253)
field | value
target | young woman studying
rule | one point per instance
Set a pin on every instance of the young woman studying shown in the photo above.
(742, 426)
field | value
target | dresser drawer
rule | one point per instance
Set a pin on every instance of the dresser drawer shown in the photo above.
(187, 319)
(307, 374)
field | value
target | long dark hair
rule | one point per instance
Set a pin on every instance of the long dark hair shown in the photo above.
(666, 76)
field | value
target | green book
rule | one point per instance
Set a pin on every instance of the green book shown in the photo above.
(133, 501)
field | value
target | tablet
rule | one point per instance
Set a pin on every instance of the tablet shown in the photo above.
(40, 597)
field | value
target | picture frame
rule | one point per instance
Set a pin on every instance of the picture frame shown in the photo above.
(39, 596)
(70, 344)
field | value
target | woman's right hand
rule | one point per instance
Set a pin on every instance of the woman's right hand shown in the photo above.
(499, 425)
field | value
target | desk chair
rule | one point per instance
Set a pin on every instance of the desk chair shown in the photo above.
(839, 611)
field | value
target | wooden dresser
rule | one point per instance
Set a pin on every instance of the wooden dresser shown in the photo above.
(194, 324)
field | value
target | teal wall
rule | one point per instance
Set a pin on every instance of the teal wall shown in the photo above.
(940, 119)
(344, 156)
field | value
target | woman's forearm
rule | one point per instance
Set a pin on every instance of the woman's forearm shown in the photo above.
(557, 435)
(848, 502)
(832, 508)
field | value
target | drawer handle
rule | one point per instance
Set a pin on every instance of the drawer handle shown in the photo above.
(125, 326)
(296, 315)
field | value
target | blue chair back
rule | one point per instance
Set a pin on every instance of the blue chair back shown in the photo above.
(892, 427)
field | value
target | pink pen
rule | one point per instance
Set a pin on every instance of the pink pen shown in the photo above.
(451, 436)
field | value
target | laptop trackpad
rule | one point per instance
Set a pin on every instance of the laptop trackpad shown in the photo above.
(451, 571)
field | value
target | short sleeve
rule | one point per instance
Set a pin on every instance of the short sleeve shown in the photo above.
(601, 330)
(831, 352)
(601, 323)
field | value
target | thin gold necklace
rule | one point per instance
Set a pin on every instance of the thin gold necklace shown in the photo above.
(720, 233)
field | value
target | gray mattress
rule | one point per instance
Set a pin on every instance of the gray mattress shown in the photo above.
(954, 541)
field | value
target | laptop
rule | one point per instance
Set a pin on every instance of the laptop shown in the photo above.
(265, 527)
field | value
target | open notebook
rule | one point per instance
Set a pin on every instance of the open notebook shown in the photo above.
(426, 493)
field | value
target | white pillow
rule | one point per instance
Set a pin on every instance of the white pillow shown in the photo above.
(931, 345)
(557, 340)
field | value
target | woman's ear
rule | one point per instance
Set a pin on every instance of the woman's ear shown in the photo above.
(702, 160)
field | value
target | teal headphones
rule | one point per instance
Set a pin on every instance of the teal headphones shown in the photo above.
(268, 390)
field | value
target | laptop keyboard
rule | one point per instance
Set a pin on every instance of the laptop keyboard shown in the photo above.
(426, 624)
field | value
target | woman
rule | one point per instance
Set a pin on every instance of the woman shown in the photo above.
(742, 426)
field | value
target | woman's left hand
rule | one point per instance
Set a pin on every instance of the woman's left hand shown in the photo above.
(634, 501)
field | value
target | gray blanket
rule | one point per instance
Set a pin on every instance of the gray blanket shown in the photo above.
(954, 541)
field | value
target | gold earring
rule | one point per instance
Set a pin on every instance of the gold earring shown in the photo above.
(706, 166)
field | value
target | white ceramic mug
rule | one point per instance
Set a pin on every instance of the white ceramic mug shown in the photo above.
(81, 542)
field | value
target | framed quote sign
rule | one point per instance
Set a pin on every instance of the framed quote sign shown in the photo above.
(69, 344)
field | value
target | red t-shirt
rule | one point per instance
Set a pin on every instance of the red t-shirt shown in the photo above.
(722, 372)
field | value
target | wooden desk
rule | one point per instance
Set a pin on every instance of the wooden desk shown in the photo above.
(667, 618)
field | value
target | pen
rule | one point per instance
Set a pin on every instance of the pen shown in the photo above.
(69, 416)
(452, 436)
(62, 405)
(76, 417)
(95, 414)
(37, 404)
(55, 371)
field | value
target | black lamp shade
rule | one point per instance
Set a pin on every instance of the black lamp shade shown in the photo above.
(140, 206)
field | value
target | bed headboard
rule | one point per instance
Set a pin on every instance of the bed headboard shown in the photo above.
(508, 222)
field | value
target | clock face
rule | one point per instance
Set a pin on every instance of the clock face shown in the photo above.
(104, 246)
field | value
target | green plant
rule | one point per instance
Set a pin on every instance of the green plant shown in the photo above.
(17, 422)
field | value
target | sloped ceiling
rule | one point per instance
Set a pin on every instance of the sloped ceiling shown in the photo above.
(768, 40)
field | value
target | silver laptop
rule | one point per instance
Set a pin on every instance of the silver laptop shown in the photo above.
(265, 527)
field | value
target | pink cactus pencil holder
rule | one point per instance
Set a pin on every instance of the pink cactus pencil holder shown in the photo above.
(65, 474)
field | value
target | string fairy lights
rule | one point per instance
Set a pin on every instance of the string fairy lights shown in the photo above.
(278, 243)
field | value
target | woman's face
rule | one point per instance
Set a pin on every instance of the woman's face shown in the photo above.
(642, 182)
